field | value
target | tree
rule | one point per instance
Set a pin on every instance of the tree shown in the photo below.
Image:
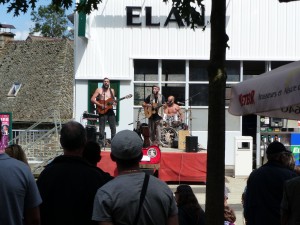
(51, 21)
(214, 206)
(217, 83)
(18, 7)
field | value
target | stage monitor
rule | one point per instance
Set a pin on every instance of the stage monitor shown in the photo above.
(191, 144)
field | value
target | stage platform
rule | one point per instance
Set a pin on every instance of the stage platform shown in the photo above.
(175, 165)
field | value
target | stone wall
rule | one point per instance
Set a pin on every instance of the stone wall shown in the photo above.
(45, 70)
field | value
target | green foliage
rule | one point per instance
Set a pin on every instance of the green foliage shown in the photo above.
(189, 10)
(50, 20)
(18, 7)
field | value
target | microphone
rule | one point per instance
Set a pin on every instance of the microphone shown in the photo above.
(180, 103)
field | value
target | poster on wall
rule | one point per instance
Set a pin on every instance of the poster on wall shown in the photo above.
(6, 129)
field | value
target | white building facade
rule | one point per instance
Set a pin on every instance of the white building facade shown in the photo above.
(140, 43)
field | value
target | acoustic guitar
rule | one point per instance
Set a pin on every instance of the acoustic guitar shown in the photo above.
(149, 110)
(108, 104)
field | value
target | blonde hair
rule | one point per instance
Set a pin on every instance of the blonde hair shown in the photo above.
(16, 151)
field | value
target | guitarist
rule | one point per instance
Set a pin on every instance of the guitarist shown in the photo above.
(155, 100)
(101, 95)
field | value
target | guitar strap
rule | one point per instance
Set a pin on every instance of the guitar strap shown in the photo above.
(142, 197)
(111, 94)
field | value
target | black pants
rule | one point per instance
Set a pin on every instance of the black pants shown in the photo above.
(110, 117)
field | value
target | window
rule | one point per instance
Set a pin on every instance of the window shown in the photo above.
(233, 70)
(176, 90)
(145, 70)
(227, 94)
(253, 68)
(198, 70)
(14, 89)
(276, 64)
(146, 75)
(198, 95)
(175, 77)
(188, 82)
(173, 70)
(141, 91)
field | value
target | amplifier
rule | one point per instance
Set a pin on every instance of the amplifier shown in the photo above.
(91, 132)
(191, 144)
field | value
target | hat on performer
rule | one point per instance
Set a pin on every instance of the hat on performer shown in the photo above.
(126, 145)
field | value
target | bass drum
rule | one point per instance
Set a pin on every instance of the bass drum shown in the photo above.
(168, 134)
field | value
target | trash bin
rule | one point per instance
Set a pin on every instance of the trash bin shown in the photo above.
(243, 156)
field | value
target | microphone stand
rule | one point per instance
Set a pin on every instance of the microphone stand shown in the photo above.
(104, 134)
(190, 99)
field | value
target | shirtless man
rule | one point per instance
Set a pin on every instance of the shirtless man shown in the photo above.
(174, 110)
(103, 94)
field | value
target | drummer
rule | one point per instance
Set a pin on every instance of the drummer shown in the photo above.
(173, 110)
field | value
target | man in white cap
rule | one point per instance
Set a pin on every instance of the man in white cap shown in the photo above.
(118, 201)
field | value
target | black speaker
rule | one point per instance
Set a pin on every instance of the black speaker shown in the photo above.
(191, 143)
(91, 133)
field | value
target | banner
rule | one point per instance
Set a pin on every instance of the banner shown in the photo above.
(273, 94)
(6, 129)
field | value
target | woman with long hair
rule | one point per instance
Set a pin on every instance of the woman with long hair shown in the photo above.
(189, 210)
(16, 151)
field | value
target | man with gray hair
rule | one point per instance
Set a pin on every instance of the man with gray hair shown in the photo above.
(128, 198)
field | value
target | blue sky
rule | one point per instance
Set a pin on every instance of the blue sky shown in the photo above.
(22, 23)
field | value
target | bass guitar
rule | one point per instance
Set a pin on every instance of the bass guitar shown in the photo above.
(149, 110)
(108, 104)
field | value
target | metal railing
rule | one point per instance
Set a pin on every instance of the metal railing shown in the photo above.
(40, 146)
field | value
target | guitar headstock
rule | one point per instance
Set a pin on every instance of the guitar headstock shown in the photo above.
(128, 96)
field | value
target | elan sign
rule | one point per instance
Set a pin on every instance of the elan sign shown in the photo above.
(133, 17)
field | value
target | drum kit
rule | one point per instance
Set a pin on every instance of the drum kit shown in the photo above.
(170, 127)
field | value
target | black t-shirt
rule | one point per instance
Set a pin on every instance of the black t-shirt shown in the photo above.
(68, 186)
(155, 116)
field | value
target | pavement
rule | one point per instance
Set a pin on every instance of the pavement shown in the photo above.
(235, 186)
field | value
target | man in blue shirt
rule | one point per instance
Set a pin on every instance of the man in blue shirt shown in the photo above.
(20, 198)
